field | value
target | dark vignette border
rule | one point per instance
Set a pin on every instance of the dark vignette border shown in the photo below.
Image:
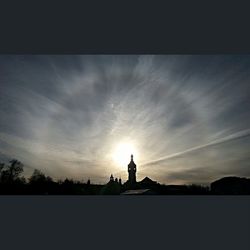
(112, 27)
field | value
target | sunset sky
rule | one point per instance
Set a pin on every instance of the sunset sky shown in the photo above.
(185, 118)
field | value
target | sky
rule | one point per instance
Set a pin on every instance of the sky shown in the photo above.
(185, 117)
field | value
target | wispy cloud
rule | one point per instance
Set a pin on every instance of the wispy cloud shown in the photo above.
(234, 136)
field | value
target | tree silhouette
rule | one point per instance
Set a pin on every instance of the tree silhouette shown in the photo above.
(41, 184)
(88, 182)
(10, 173)
(37, 177)
(16, 168)
(1, 167)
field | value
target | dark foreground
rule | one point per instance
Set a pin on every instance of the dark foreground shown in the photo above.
(12, 183)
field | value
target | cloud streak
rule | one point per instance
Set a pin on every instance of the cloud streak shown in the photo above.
(234, 136)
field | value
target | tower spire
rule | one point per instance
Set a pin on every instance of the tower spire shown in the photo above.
(132, 171)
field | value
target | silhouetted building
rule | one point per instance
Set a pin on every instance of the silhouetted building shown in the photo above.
(132, 171)
(147, 182)
(132, 184)
(112, 187)
(111, 178)
(231, 185)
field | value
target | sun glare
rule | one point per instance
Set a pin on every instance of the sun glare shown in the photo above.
(122, 153)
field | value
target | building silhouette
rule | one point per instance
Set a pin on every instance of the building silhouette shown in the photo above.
(111, 179)
(132, 171)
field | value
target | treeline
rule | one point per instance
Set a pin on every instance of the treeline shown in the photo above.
(12, 182)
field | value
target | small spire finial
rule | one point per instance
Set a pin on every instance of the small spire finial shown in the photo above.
(131, 157)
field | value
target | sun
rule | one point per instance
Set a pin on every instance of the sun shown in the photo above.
(122, 153)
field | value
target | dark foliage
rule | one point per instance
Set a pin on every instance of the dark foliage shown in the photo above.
(11, 182)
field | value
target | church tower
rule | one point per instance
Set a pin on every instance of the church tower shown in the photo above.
(132, 171)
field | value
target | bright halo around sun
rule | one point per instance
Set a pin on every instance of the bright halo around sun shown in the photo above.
(122, 153)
